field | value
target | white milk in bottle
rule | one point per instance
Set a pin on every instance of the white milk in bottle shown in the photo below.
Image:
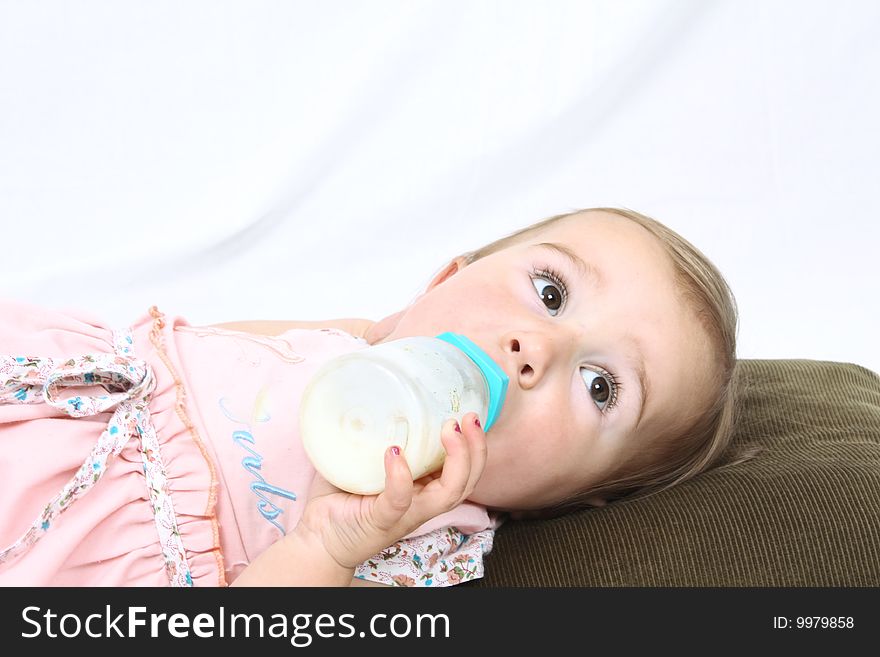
(400, 393)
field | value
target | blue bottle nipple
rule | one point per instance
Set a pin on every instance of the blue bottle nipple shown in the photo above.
(495, 377)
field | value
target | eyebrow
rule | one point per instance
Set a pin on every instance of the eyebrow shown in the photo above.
(585, 270)
(590, 272)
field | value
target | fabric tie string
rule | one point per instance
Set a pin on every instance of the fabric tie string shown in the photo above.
(128, 383)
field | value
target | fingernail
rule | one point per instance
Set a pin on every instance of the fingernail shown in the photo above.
(457, 428)
(395, 450)
(477, 422)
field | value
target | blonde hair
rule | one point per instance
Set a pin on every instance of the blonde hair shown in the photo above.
(674, 458)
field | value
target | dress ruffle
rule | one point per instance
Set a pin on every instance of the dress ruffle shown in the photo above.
(108, 537)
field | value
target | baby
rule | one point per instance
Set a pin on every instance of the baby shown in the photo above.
(617, 335)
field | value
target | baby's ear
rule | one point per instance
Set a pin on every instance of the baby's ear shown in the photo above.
(455, 266)
(385, 327)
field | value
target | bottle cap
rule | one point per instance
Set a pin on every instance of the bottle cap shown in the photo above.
(495, 377)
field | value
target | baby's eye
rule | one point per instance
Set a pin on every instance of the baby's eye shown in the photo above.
(551, 291)
(601, 387)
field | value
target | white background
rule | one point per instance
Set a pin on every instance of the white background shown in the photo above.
(308, 160)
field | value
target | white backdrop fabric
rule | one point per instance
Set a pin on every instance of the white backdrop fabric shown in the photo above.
(309, 160)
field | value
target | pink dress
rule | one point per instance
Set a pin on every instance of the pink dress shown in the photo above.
(209, 472)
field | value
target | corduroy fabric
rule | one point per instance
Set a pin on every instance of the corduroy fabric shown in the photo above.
(804, 512)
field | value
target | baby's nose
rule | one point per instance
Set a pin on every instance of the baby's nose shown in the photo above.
(524, 369)
(530, 354)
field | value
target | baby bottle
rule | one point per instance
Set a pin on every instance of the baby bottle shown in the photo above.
(396, 393)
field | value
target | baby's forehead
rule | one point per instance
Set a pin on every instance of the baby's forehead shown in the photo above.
(596, 224)
(643, 287)
(607, 247)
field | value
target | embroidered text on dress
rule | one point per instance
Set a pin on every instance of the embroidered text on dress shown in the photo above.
(254, 465)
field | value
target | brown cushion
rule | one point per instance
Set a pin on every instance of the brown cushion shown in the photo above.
(804, 512)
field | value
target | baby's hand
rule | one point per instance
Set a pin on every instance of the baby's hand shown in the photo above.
(352, 528)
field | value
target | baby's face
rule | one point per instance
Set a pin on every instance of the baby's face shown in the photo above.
(573, 343)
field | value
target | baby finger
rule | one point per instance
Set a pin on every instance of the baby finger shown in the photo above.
(476, 440)
(395, 500)
(457, 466)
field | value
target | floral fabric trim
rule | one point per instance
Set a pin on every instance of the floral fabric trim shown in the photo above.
(130, 383)
(443, 557)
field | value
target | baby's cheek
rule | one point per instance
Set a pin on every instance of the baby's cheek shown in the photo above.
(504, 482)
(518, 446)
(552, 419)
